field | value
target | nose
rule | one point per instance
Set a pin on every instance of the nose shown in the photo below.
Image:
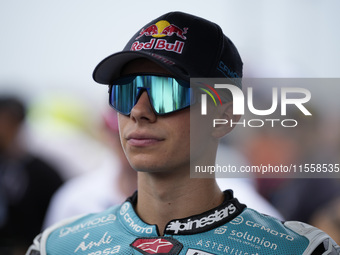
(143, 109)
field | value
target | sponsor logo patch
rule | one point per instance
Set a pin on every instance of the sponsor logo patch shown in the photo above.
(204, 223)
(130, 222)
(90, 224)
(125, 207)
(157, 31)
(162, 245)
(237, 221)
(220, 230)
(163, 28)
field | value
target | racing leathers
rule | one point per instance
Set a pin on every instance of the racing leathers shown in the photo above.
(230, 228)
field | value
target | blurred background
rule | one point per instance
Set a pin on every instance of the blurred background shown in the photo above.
(48, 50)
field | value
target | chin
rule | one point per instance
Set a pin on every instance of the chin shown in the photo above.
(149, 167)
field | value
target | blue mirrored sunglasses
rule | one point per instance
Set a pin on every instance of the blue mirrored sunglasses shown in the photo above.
(166, 94)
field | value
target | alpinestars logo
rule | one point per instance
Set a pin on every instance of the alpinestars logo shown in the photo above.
(159, 245)
(164, 245)
(193, 225)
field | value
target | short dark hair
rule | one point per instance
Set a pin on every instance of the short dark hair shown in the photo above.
(14, 106)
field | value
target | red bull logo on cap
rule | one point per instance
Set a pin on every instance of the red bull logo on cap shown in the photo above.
(161, 29)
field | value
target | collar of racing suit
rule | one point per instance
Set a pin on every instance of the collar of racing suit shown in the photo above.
(225, 212)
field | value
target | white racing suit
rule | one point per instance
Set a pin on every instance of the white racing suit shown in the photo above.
(230, 228)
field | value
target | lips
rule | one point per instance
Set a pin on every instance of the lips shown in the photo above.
(143, 139)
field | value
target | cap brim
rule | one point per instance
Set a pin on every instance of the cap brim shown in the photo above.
(110, 68)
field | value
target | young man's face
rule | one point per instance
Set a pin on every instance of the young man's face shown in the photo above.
(154, 143)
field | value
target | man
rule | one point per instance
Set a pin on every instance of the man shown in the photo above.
(100, 189)
(27, 182)
(173, 213)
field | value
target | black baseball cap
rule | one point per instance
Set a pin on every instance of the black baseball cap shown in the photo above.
(187, 46)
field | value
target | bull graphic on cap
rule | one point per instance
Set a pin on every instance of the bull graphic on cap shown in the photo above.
(163, 28)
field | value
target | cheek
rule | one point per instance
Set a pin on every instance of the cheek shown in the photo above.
(122, 121)
(177, 128)
(180, 130)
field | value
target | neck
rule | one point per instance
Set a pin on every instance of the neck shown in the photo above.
(164, 197)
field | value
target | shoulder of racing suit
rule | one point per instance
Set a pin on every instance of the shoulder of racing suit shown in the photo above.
(230, 228)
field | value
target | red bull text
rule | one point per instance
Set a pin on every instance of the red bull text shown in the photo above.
(161, 29)
(158, 44)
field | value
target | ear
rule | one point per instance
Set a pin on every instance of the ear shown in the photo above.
(226, 117)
